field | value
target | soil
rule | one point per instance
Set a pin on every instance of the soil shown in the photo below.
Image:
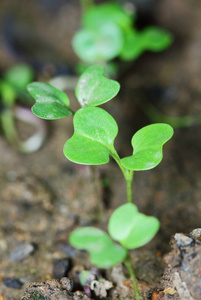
(43, 196)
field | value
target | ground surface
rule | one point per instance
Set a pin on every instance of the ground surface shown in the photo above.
(43, 197)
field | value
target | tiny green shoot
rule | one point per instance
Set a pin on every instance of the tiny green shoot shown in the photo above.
(108, 31)
(12, 88)
(126, 226)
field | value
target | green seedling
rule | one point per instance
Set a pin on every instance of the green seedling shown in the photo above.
(92, 143)
(13, 87)
(95, 130)
(108, 32)
(126, 226)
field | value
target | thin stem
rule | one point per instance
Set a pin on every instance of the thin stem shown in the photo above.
(128, 175)
(176, 122)
(129, 186)
(85, 5)
(130, 269)
(8, 126)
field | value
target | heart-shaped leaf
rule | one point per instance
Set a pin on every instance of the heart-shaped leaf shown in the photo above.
(51, 103)
(104, 253)
(95, 131)
(156, 39)
(94, 88)
(96, 46)
(131, 228)
(147, 147)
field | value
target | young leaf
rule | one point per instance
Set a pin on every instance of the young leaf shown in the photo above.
(133, 46)
(98, 45)
(131, 228)
(51, 103)
(99, 15)
(103, 252)
(94, 89)
(156, 39)
(19, 76)
(147, 147)
(95, 131)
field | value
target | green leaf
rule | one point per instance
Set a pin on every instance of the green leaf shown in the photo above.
(103, 252)
(133, 46)
(131, 228)
(94, 88)
(95, 46)
(19, 76)
(156, 39)
(147, 147)
(99, 15)
(95, 131)
(51, 103)
(8, 93)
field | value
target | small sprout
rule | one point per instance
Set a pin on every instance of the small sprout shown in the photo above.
(51, 103)
(95, 131)
(108, 31)
(127, 226)
(147, 147)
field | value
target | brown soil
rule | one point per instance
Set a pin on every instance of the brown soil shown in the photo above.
(43, 197)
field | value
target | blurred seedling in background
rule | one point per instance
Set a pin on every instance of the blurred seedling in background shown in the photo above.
(92, 144)
(108, 32)
(12, 88)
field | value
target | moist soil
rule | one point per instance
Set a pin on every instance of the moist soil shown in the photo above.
(43, 196)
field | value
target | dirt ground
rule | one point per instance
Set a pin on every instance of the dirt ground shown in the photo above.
(43, 196)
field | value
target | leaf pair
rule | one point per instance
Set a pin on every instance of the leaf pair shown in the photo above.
(93, 89)
(104, 253)
(126, 225)
(93, 141)
(151, 38)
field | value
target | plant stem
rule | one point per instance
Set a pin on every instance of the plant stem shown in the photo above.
(8, 127)
(130, 269)
(85, 5)
(128, 175)
(176, 122)
(129, 185)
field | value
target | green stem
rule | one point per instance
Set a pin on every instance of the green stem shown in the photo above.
(8, 127)
(85, 5)
(128, 175)
(129, 185)
(176, 122)
(130, 269)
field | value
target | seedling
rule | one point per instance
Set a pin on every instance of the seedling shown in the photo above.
(13, 87)
(108, 32)
(92, 144)
(95, 130)
(126, 226)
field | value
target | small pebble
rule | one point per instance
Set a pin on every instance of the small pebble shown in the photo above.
(61, 268)
(12, 283)
(21, 252)
(182, 240)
